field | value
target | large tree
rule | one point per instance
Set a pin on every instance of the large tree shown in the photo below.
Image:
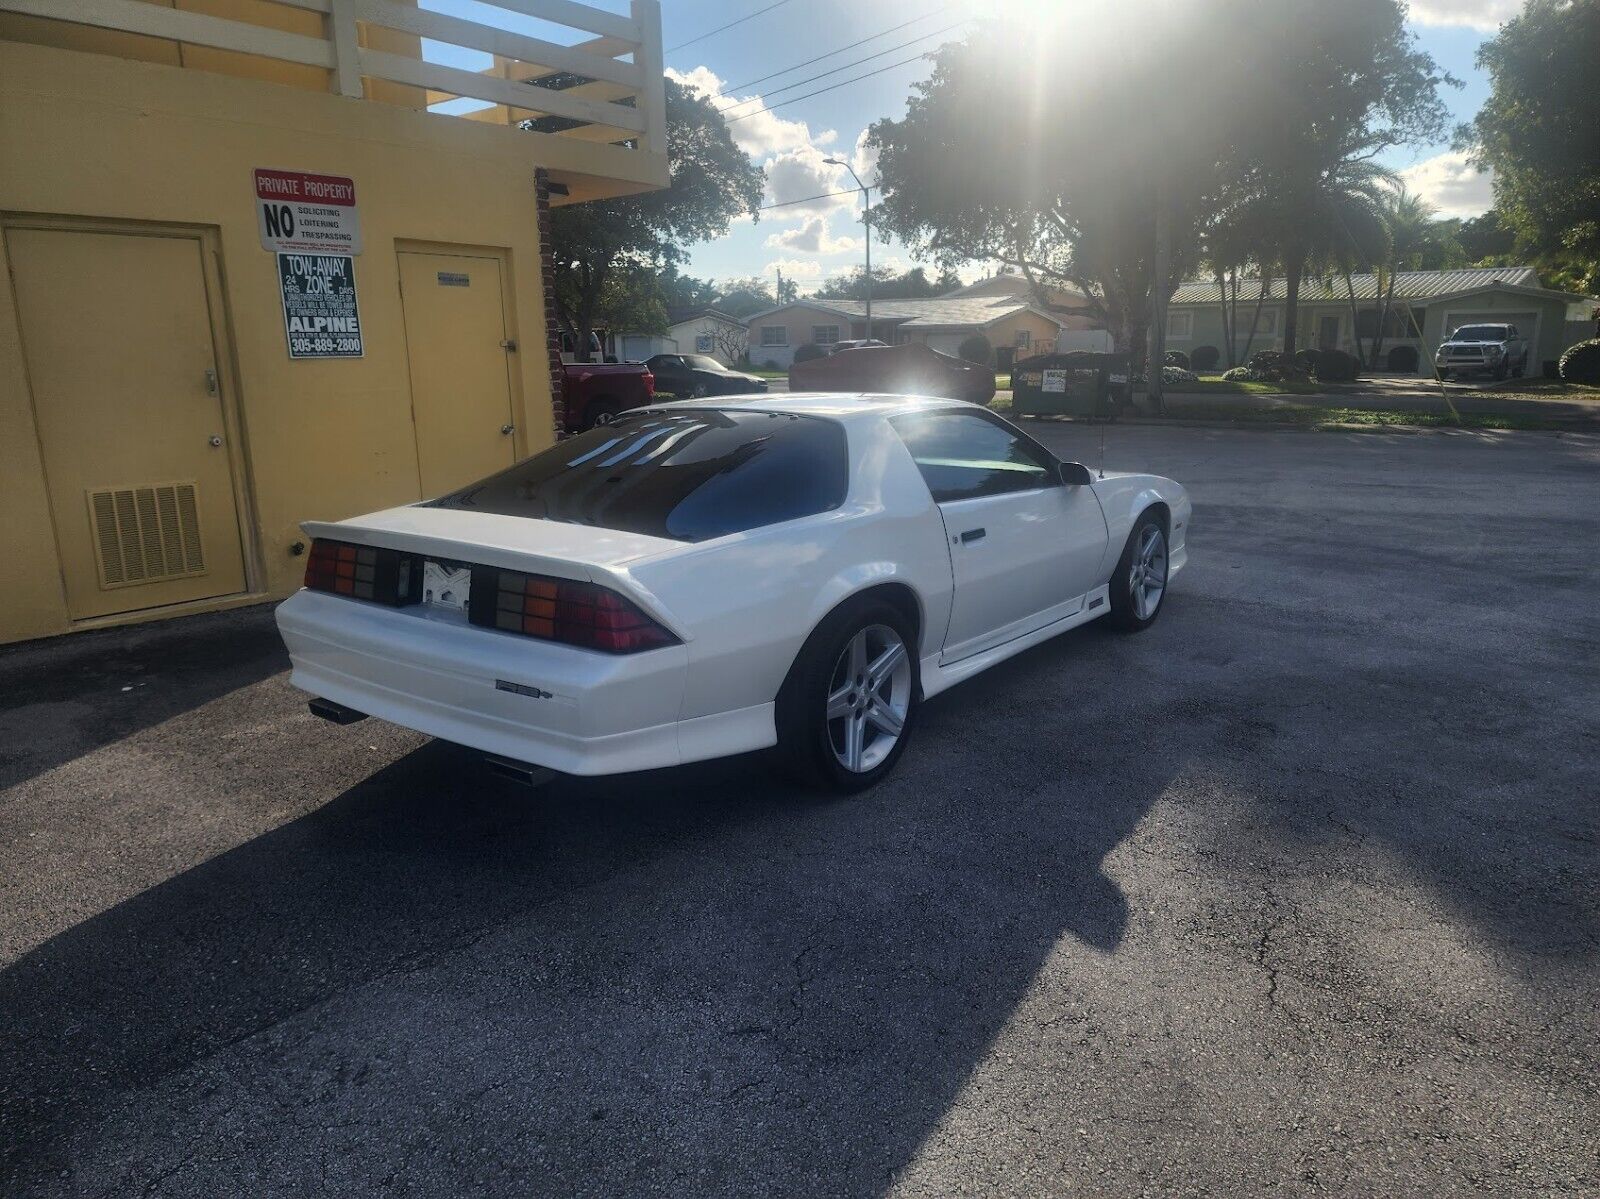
(606, 251)
(1540, 129)
(1024, 153)
(1341, 84)
(1112, 122)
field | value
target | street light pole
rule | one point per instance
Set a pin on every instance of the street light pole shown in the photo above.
(866, 222)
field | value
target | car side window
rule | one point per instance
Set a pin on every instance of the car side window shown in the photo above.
(963, 457)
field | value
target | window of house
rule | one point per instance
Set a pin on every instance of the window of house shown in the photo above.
(1180, 325)
(774, 335)
(1267, 323)
(1024, 338)
(702, 343)
(824, 335)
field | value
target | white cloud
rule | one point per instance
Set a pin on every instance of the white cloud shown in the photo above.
(811, 237)
(1486, 15)
(802, 269)
(1450, 183)
(759, 134)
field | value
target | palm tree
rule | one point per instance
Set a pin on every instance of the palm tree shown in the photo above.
(1314, 217)
(1418, 240)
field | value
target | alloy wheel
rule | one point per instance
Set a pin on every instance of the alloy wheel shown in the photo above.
(869, 697)
(1147, 578)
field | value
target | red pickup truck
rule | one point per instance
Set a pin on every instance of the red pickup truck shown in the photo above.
(597, 391)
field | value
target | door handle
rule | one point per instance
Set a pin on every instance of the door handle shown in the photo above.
(973, 535)
(508, 429)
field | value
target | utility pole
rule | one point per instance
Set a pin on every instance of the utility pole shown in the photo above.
(1160, 291)
(866, 223)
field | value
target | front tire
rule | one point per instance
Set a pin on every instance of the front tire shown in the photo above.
(1139, 584)
(846, 711)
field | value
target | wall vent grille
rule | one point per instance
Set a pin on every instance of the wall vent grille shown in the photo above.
(146, 534)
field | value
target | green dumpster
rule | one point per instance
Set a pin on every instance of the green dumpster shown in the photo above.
(1077, 383)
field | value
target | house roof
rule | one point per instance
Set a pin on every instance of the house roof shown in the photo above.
(1409, 285)
(681, 316)
(943, 312)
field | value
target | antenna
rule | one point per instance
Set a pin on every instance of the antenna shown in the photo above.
(1103, 421)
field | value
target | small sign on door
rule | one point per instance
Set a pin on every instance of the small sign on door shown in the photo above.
(303, 213)
(320, 314)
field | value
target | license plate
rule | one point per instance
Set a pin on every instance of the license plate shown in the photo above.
(447, 586)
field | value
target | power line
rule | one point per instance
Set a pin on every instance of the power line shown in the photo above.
(850, 46)
(856, 63)
(831, 87)
(729, 25)
(849, 191)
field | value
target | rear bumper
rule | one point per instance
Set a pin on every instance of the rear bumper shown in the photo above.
(572, 710)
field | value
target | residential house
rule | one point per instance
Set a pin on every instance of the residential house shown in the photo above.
(708, 331)
(1013, 326)
(1427, 306)
(268, 263)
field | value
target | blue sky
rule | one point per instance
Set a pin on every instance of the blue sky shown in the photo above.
(812, 241)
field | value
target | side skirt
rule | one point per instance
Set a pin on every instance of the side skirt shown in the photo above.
(937, 677)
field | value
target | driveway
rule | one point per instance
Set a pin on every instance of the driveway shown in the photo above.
(1297, 893)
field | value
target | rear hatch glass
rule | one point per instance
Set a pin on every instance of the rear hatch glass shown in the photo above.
(687, 476)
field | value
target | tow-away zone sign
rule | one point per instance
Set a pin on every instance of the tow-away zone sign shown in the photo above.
(307, 214)
(320, 314)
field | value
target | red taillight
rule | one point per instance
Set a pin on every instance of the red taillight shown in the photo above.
(649, 384)
(363, 572)
(564, 610)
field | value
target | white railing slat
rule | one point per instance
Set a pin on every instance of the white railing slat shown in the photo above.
(456, 31)
(382, 65)
(219, 33)
(647, 14)
(577, 16)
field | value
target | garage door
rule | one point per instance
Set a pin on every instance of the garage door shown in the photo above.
(1524, 321)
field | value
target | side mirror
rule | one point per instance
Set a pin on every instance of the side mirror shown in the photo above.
(1074, 474)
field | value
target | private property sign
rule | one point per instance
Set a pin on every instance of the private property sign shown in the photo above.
(299, 213)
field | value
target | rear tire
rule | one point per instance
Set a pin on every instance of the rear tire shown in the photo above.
(846, 711)
(1139, 584)
(601, 412)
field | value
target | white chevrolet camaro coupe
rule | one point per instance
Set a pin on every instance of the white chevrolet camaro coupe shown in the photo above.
(716, 576)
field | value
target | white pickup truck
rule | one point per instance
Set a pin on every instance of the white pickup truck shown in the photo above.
(1494, 350)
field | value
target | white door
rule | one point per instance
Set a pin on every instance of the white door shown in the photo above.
(1024, 550)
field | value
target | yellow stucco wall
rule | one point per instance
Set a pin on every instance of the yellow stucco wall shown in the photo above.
(91, 136)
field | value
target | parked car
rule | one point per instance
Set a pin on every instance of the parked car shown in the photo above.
(709, 577)
(694, 375)
(860, 344)
(914, 369)
(1495, 350)
(596, 393)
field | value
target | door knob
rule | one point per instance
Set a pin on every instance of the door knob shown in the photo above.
(508, 429)
(215, 439)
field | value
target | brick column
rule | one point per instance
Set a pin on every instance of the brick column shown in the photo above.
(552, 327)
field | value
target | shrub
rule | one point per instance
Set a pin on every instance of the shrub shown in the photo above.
(1272, 366)
(1178, 358)
(1335, 366)
(1241, 374)
(1205, 358)
(1176, 374)
(977, 349)
(1306, 359)
(1404, 359)
(808, 352)
(1581, 363)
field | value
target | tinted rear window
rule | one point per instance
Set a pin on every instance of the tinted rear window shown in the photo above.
(689, 476)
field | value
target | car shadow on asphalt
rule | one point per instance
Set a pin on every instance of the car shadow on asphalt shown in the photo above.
(692, 973)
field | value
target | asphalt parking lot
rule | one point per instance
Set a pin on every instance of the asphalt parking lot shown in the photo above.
(1296, 893)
